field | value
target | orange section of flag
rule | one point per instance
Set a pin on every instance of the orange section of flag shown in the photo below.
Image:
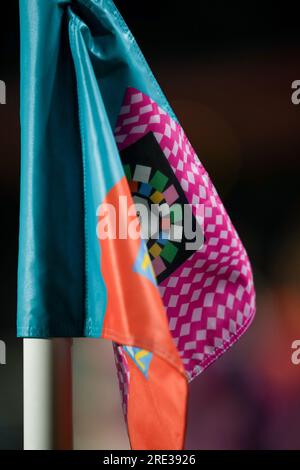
(156, 408)
(135, 316)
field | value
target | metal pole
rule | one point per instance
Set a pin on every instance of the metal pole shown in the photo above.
(48, 394)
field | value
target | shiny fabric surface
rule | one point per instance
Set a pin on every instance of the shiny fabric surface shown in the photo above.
(70, 50)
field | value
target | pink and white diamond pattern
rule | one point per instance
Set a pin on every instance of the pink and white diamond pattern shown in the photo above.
(210, 298)
(123, 375)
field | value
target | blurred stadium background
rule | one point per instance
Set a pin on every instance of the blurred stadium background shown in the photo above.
(227, 72)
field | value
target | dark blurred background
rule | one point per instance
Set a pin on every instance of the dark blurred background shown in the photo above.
(227, 72)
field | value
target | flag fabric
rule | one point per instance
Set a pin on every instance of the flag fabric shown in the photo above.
(99, 138)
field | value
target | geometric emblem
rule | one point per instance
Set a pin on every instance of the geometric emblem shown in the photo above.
(140, 357)
(154, 186)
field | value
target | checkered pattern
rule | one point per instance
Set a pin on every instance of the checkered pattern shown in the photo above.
(123, 375)
(210, 298)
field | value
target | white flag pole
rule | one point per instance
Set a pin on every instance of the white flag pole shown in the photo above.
(47, 394)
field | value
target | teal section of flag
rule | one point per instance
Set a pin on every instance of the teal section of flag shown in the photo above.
(77, 60)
